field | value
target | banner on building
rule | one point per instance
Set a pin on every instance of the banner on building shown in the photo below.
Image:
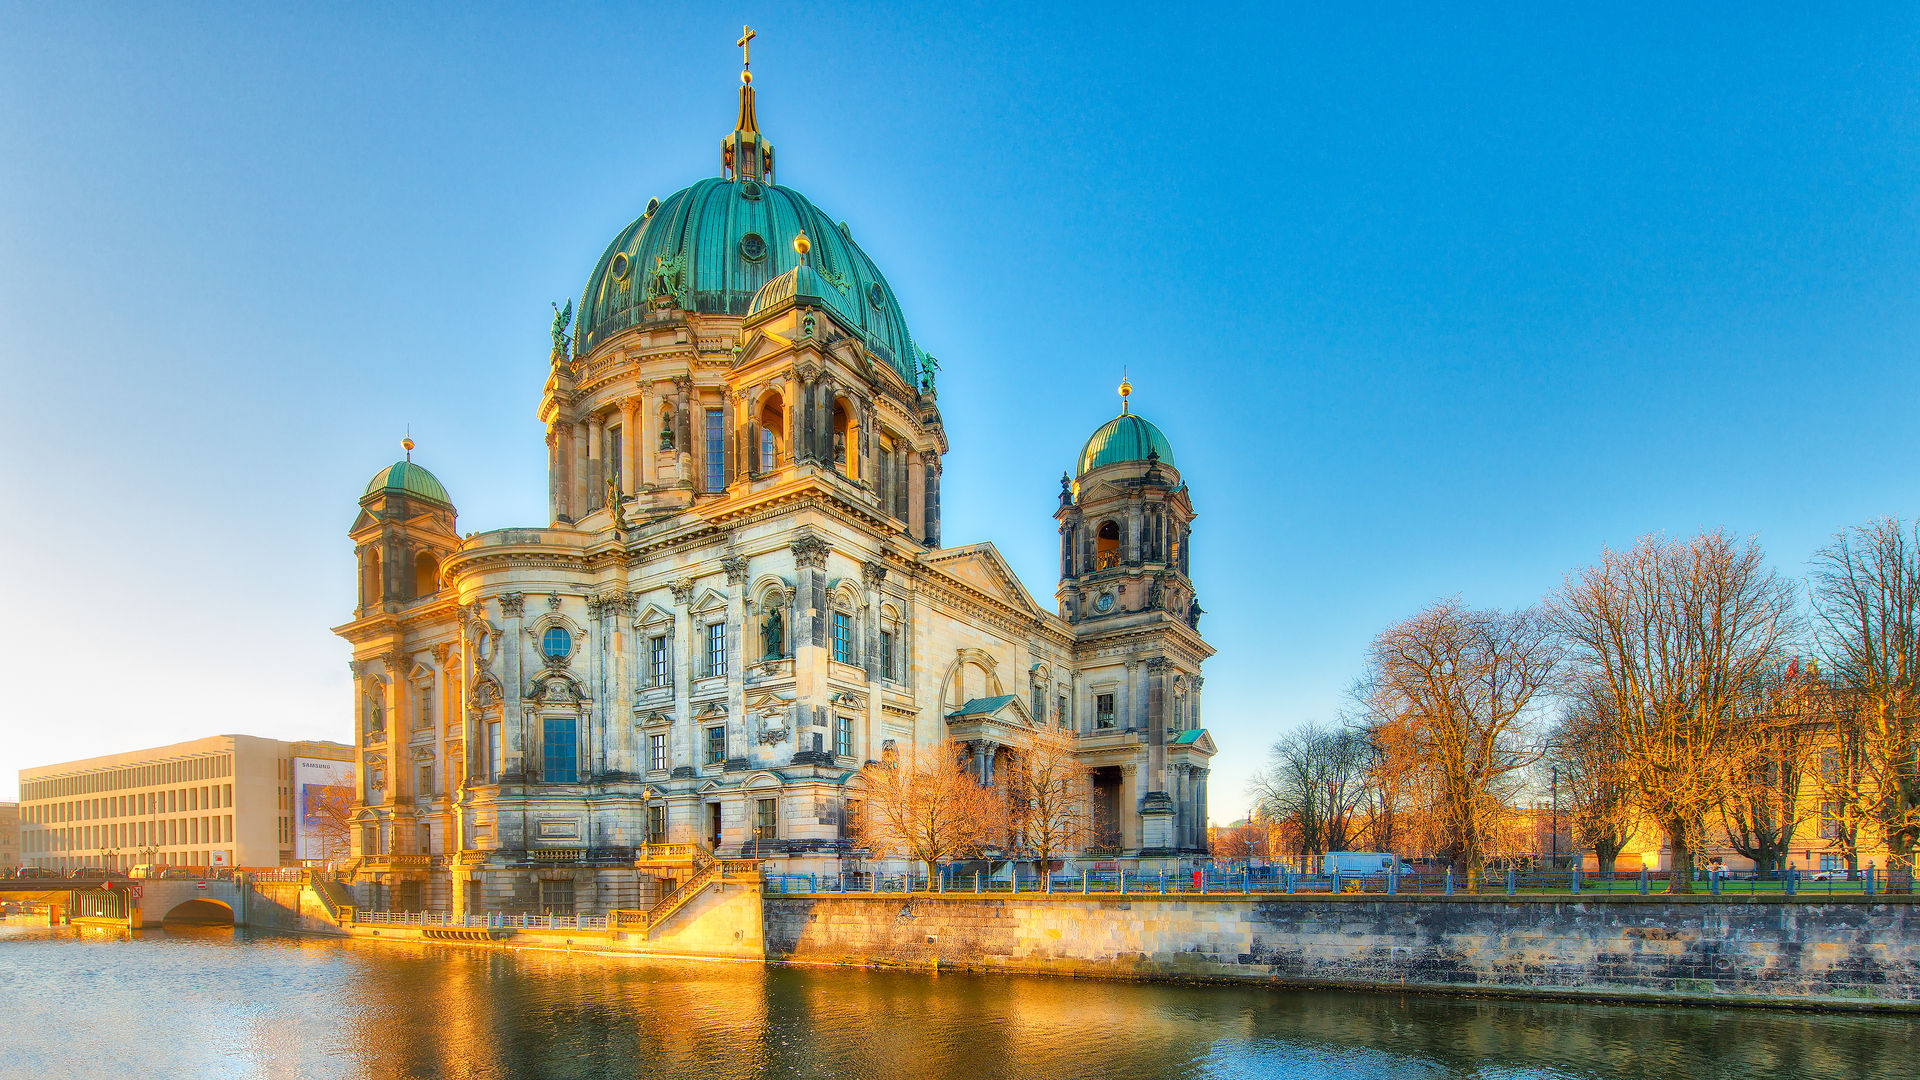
(323, 806)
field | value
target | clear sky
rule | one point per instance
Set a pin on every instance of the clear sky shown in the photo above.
(1428, 301)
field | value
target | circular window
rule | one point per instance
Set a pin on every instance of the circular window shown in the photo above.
(876, 295)
(752, 247)
(556, 643)
(620, 266)
(1105, 603)
(749, 189)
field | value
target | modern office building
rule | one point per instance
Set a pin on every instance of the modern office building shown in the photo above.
(228, 800)
(9, 835)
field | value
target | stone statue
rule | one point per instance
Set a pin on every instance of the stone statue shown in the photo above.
(666, 435)
(928, 366)
(561, 319)
(613, 503)
(773, 633)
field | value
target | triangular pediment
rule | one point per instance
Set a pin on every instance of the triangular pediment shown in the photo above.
(982, 567)
(1195, 739)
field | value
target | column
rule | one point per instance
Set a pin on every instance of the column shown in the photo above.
(556, 478)
(916, 495)
(1133, 534)
(596, 463)
(1193, 704)
(682, 646)
(512, 651)
(1082, 711)
(630, 437)
(1129, 807)
(933, 503)
(576, 447)
(738, 737)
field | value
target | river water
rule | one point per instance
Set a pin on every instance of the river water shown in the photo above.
(209, 1002)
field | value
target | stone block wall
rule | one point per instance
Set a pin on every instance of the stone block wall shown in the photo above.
(1767, 948)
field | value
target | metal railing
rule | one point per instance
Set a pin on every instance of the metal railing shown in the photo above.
(431, 920)
(1271, 880)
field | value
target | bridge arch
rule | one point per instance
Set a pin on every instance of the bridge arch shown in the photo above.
(200, 909)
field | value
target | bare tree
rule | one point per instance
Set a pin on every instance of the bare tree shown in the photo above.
(1766, 765)
(928, 808)
(1668, 635)
(1450, 694)
(1313, 786)
(329, 813)
(1050, 797)
(1586, 747)
(1866, 587)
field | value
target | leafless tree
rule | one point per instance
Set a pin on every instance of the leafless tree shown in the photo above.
(1767, 764)
(1668, 636)
(927, 807)
(1449, 694)
(1050, 799)
(1314, 784)
(329, 813)
(1586, 747)
(1866, 588)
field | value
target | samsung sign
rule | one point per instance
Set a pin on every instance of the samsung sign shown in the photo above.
(323, 804)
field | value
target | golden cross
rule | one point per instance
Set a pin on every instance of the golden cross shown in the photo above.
(746, 47)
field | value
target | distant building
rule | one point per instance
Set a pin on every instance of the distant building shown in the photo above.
(228, 800)
(9, 835)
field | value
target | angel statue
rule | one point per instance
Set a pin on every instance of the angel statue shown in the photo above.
(561, 317)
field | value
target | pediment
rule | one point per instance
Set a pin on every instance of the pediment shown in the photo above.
(982, 567)
(1195, 739)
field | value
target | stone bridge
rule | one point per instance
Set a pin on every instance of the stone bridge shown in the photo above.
(146, 902)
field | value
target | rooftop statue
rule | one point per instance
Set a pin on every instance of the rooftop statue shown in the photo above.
(560, 320)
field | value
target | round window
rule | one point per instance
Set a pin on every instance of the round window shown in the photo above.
(556, 642)
(1104, 603)
(620, 266)
(876, 295)
(749, 189)
(752, 247)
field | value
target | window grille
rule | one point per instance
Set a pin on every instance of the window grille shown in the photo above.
(716, 648)
(716, 452)
(716, 745)
(657, 752)
(561, 753)
(843, 637)
(657, 649)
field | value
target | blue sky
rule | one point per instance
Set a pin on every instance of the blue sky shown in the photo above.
(1428, 302)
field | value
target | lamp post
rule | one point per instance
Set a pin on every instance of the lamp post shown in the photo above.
(1556, 816)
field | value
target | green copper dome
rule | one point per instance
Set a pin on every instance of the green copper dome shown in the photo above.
(712, 246)
(406, 478)
(1122, 439)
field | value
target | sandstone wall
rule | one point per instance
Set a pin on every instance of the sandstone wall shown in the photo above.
(1763, 948)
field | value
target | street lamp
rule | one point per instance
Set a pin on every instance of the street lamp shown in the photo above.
(1556, 816)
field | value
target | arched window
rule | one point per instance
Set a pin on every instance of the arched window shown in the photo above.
(772, 426)
(426, 574)
(846, 446)
(1066, 550)
(370, 585)
(1106, 546)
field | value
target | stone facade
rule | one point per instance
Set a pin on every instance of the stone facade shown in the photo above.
(1763, 948)
(741, 598)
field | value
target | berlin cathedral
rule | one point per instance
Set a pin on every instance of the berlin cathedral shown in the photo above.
(742, 595)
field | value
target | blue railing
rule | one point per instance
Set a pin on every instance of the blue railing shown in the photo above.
(428, 919)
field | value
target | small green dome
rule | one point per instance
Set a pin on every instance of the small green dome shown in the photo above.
(802, 285)
(1122, 439)
(712, 247)
(406, 478)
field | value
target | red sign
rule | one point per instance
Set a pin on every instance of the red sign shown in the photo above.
(202, 886)
(136, 892)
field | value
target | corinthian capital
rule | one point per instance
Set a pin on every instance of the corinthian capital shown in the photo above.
(736, 568)
(810, 551)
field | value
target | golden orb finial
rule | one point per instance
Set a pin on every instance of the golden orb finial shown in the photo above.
(407, 445)
(802, 245)
(1126, 389)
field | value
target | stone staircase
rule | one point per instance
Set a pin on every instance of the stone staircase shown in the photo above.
(707, 870)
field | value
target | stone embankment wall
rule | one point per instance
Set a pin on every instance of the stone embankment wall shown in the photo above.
(288, 905)
(1759, 950)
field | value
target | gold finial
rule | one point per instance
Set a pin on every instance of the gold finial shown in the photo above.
(1126, 388)
(407, 444)
(746, 54)
(802, 245)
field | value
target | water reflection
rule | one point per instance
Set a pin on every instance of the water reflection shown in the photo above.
(213, 1003)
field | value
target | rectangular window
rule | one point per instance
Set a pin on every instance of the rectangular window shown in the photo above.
(843, 737)
(766, 818)
(657, 752)
(493, 750)
(1060, 711)
(716, 451)
(556, 897)
(1103, 711)
(716, 648)
(843, 637)
(561, 753)
(613, 456)
(767, 460)
(657, 649)
(886, 654)
(426, 781)
(1039, 704)
(656, 824)
(716, 745)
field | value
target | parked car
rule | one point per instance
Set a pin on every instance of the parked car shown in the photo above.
(1357, 862)
(1829, 875)
(35, 872)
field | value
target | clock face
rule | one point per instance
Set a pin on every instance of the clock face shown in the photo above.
(1104, 603)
